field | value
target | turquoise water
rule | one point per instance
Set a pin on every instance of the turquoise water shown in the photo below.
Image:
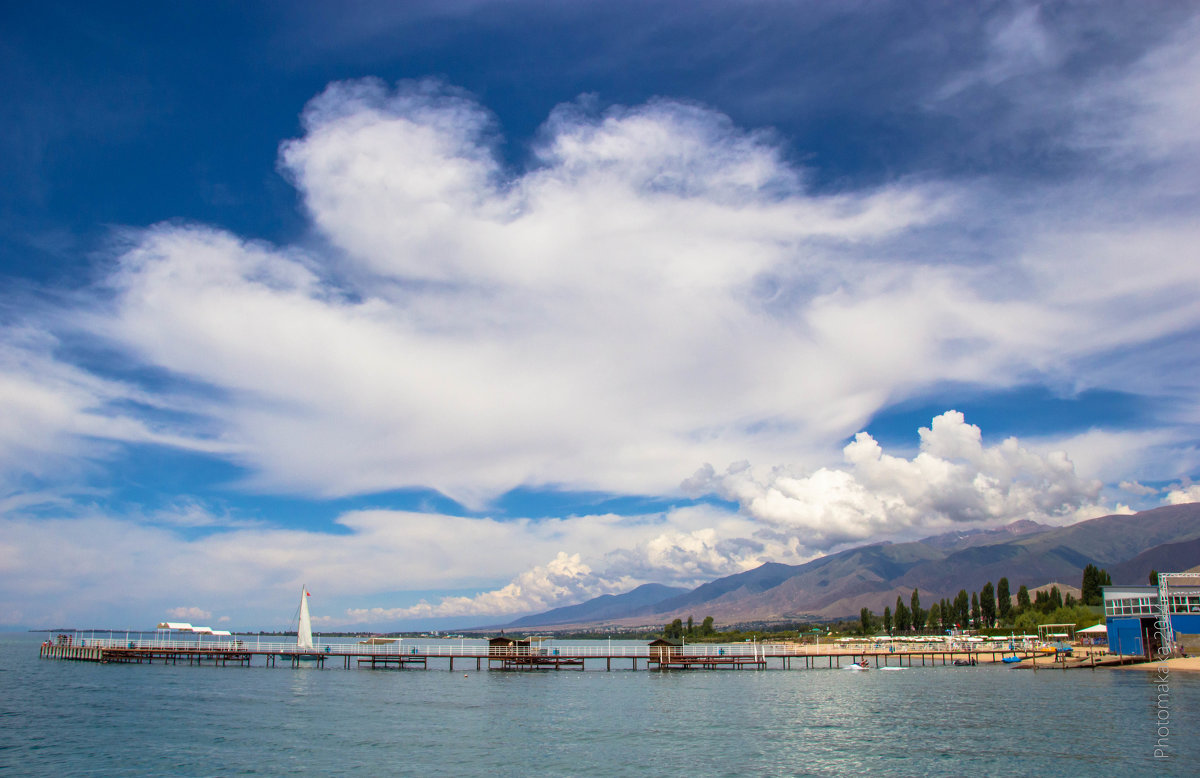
(76, 718)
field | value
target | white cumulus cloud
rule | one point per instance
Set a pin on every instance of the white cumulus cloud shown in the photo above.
(564, 580)
(656, 288)
(189, 613)
(1183, 493)
(954, 479)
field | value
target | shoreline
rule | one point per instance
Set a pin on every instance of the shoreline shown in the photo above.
(1189, 664)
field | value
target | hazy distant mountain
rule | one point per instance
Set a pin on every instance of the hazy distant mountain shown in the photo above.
(873, 576)
(608, 606)
(1169, 557)
(982, 537)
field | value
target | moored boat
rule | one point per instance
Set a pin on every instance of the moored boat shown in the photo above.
(305, 650)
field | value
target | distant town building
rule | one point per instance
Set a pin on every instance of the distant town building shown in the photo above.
(1135, 619)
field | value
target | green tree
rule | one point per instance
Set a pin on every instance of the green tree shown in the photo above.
(1041, 601)
(689, 626)
(1003, 600)
(918, 615)
(934, 619)
(962, 608)
(1055, 598)
(1093, 580)
(1089, 589)
(1154, 578)
(706, 626)
(947, 614)
(1023, 603)
(674, 630)
(887, 620)
(903, 617)
(987, 604)
(866, 621)
(975, 616)
(1026, 623)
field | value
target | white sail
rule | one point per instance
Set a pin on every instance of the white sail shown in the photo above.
(304, 630)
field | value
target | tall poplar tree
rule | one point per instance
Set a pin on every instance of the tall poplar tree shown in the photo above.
(1093, 579)
(1089, 588)
(1003, 600)
(987, 604)
(902, 616)
(975, 616)
(918, 615)
(1023, 603)
(962, 608)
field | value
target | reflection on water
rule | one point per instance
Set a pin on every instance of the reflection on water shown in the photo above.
(67, 717)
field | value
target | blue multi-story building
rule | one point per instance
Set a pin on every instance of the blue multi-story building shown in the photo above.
(1131, 613)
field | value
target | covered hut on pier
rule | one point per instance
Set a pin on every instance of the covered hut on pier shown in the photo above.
(506, 646)
(663, 650)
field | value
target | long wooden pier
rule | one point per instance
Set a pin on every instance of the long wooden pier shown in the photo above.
(439, 655)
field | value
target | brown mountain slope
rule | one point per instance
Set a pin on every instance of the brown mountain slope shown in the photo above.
(873, 576)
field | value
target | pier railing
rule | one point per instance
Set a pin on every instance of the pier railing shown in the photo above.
(452, 649)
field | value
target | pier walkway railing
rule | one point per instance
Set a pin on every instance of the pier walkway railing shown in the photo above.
(450, 648)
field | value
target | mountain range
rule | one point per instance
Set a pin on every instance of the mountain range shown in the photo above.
(873, 576)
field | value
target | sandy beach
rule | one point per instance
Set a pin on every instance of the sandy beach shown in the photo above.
(1186, 664)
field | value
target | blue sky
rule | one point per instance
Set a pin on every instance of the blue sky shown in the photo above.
(457, 311)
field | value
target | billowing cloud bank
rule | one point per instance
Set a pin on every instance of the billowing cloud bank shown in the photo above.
(600, 321)
(785, 516)
(652, 289)
(658, 289)
(954, 479)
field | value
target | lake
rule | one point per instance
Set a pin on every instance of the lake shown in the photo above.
(77, 718)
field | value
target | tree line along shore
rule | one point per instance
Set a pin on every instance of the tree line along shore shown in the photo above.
(991, 609)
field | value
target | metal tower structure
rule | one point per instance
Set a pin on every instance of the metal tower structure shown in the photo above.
(1164, 604)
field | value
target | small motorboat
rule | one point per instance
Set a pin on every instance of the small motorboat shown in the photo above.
(857, 666)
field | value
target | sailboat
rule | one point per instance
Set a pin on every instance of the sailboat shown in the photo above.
(304, 625)
(305, 650)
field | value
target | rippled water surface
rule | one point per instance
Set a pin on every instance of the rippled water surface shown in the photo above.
(76, 718)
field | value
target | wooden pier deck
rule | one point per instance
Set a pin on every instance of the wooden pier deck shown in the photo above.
(459, 656)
